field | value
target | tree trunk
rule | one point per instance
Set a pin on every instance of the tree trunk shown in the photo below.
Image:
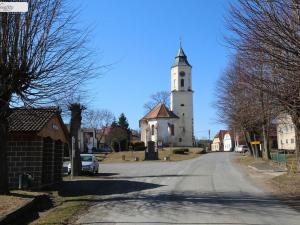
(248, 140)
(4, 113)
(266, 150)
(75, 124)
(296, 121)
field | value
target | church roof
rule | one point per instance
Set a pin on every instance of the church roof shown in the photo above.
(159, 111)
(181, 59)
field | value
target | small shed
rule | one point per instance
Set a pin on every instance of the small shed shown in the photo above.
(37, 139)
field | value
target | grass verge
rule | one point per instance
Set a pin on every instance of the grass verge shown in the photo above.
(130, 156)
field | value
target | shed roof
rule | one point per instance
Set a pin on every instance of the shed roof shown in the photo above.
(30, 119)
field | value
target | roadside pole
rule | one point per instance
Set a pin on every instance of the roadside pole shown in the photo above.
(72, 157)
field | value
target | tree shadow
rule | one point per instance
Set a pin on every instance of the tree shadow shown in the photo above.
(102, 187)
(185, 203)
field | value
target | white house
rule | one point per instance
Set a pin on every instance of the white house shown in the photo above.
(218, 141)
(175, 125)
(285, 132)
(227, 142)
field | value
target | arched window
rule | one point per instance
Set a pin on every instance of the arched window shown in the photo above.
(182, 74)
(152, 129)
(171, 127)
(182, 82)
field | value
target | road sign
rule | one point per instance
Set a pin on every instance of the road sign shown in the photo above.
(255, 142)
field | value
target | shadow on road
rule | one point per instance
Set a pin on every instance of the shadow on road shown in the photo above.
(102, 187)
(156, 176)
(197, 203)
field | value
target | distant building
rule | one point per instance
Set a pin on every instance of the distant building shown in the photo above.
(174, 126)
(218, 141)
(286, 133)
(228, 142)
(88, 140)
(114, 136)
(36, 145)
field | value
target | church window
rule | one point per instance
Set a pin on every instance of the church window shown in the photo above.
(182, 82)
(182, 114)
(174, 83)
(152, 130)
(182, 74)
(172, 129)
(182, 105)
(180, 139)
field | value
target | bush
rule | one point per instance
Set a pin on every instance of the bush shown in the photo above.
(181, 151)
(138, 146)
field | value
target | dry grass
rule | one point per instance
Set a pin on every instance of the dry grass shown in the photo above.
(9, 203)
(63, 211)
(285, 187)
(130, 156)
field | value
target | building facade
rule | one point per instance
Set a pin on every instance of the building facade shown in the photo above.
(286, 137)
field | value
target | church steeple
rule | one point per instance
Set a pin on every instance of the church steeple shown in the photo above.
(181, 59)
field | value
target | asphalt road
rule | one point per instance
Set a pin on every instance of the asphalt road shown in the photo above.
(207, 190)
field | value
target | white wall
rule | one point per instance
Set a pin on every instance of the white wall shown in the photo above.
(227, 142)
(286, 133)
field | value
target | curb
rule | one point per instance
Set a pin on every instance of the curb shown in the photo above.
(258, 170)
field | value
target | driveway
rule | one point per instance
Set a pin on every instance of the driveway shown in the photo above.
(209, 189)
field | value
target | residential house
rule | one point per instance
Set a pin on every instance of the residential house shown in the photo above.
(228, 142)
(114, 136)
(286, 132)
(218, 141)
(88, 139)
(36, 144)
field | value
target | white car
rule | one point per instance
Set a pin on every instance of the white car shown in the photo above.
(89, 163)
(241, 148)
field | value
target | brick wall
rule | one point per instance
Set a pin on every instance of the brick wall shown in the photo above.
(24, 155)
(40, 157)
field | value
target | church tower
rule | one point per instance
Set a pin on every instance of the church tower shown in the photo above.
(182, 99)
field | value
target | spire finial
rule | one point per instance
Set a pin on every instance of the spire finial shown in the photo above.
(180, 41)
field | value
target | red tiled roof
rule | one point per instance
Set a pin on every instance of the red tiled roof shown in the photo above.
(221, 134)
(30, 119)
(159, 111)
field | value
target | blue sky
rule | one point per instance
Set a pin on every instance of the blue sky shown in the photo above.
(140, 38)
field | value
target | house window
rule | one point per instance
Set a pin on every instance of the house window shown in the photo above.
(181, 104)
(152, 130)
(292, 140)
(180, 139)
(182, 82)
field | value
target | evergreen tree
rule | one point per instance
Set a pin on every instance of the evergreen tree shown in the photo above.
(114, 123)
(123, 121)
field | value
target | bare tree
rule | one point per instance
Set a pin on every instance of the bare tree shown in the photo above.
(42, 54)
(98, 118)
(156, 98)
(267, 33)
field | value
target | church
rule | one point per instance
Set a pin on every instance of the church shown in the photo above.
(173, 126)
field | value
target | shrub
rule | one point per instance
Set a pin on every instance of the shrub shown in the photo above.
(138, 146)
(181, 151)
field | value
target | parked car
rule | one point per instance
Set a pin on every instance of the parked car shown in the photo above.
(241, 148)
(106, 149)
(89, 163)
(67, 167)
